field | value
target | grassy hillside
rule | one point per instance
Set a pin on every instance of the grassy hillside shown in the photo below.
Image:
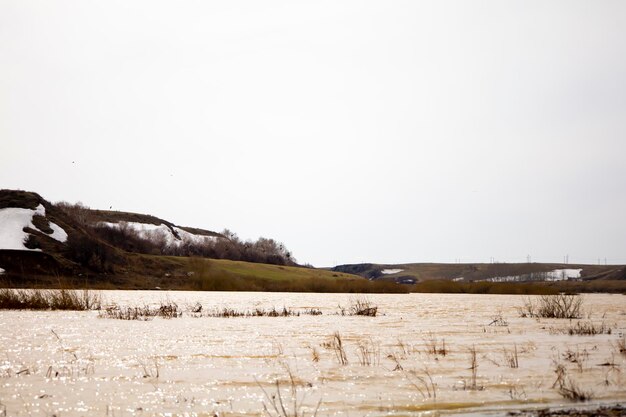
(86, 260)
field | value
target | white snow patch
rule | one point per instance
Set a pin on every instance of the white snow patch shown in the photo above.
(13, 220)
(2, 271)
(161, 231)
(58, 233)
(391, 271)
(555, 275)
(458, 279)
(191, 237)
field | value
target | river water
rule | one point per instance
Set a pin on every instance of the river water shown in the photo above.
(414, 358)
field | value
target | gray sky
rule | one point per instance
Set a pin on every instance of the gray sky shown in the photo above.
(352, 131)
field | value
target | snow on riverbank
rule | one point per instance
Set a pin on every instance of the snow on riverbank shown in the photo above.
(162, 231)
(12, 222)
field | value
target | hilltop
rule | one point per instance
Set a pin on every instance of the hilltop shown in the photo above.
(44, 244)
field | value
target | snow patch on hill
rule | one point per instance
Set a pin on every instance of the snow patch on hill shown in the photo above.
(58, 233)
(391, 271)
(162, 231)
(555, 275)
(12, 222)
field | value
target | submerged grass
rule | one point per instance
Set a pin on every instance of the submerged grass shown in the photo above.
(11, 299)
(166, 310)
(587, 328)
(170, 310)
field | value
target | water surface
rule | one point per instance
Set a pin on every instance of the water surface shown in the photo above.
(77, 364)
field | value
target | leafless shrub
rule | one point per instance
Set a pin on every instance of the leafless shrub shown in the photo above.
(362, 307)
(559, 306)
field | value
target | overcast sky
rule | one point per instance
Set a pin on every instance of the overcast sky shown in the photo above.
(352, 131)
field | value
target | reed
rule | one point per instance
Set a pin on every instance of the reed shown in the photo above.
(336, 344)
(36, 299)
(510, 357)
(368, 352)
(282, 405)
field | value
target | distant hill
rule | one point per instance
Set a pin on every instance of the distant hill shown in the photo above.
(45, 244)
(415, 273)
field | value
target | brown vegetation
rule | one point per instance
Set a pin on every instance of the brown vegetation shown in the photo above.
(558, 306)
(11, 299)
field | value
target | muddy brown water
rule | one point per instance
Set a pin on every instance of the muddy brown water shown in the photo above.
(79, 364)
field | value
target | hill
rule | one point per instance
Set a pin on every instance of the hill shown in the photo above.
(46, 245)
(459, 277)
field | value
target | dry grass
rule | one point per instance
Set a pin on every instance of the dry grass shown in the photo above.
(11, 299)
(368, 352)
(291, 405)
(170, 310)
(472, 384)
(167, 310)
(435, 346)
(336, 344)
(510, 357)
(621, 345)
(587, 328)
(571, 391)
(260, 312)
(577, 357)
(566, 387)
(423, 383)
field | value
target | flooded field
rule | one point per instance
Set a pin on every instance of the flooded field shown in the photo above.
(423, 354)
